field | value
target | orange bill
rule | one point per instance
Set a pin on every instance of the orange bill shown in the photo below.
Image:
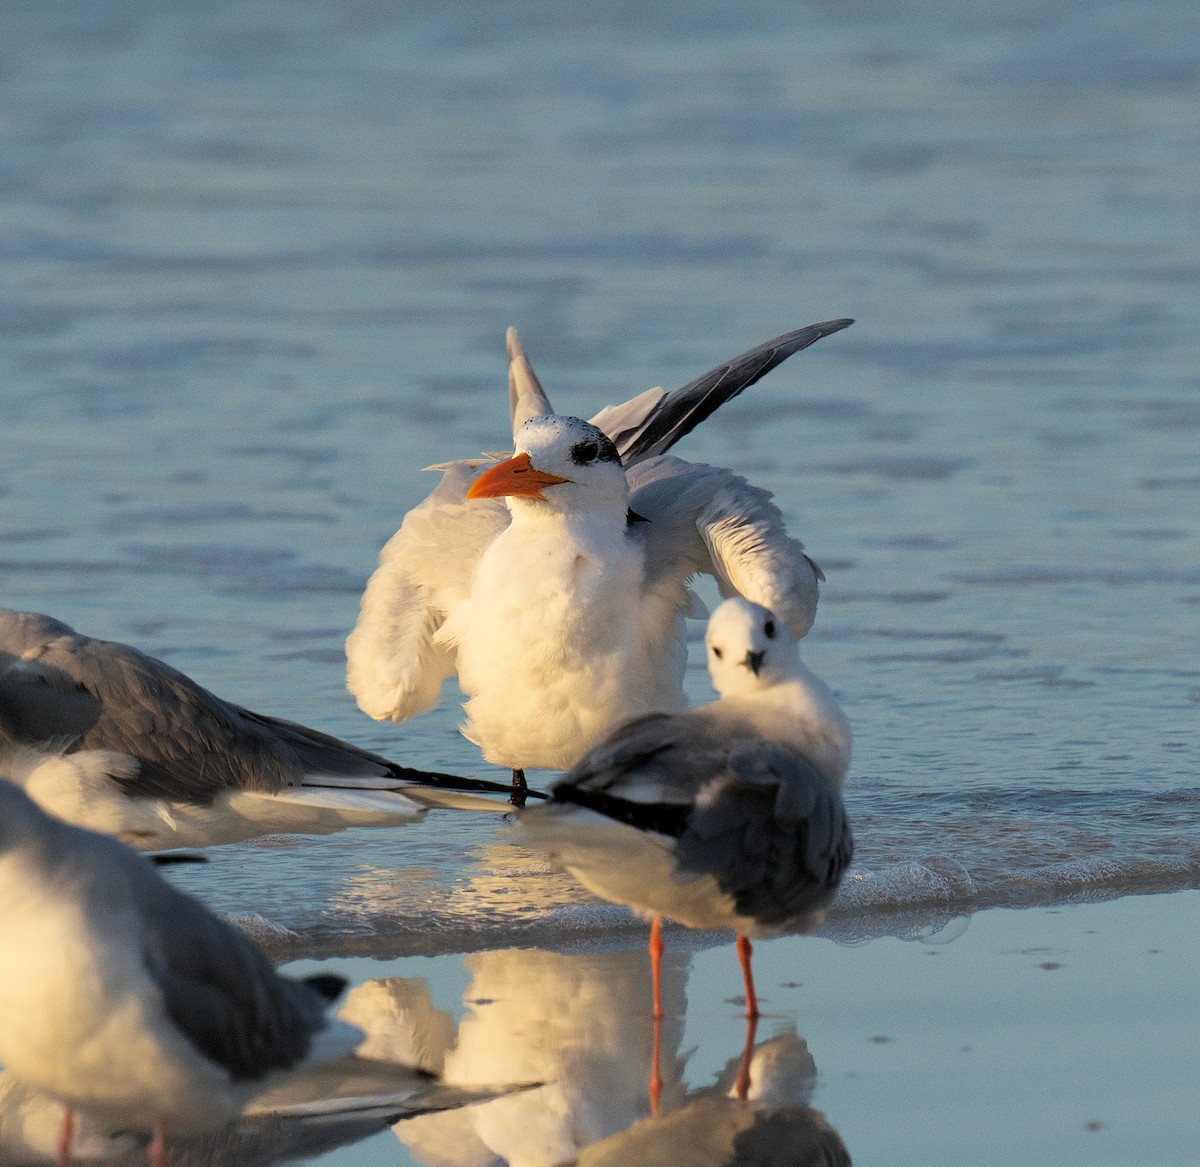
(516, 476)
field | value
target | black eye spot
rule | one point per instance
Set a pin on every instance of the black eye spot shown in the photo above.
(769, 629)
(716, 652)
(596, 448)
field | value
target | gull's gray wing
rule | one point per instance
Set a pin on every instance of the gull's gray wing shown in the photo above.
(773, 832)
(654, 421)
(395, 665)
(219, 989)
(61, 690)
(755, 815)
(705, 519)
(74, 692)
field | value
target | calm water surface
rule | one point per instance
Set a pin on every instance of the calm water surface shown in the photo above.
(257, 265)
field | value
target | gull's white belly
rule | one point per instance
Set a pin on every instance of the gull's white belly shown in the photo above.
(80, 1019)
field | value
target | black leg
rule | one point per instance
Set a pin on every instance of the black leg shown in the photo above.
(520, 789)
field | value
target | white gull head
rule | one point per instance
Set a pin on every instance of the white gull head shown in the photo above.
(755, 665)
(748, 648)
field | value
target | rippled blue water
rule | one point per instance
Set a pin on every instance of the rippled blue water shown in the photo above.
(257, 261)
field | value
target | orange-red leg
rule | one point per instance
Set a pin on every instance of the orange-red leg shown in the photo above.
(745, 951)
(656, 952)
(742, 1085)
(66, 1133)
(157, 1151)
(656, 1082)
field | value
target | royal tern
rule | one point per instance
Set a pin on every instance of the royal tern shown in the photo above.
(728, 815)
(556, 582)
(131, 1002)
(110, 738)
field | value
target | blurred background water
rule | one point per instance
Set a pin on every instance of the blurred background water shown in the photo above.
(257, 261)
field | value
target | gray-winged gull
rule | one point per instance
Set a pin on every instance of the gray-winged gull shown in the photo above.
(116, 740)
(729, 815)
(562, 610)
(130, 1001)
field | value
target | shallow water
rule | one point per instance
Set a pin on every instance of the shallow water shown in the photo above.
(257, 264)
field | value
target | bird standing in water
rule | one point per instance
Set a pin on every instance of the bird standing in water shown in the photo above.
(728, 815)
(556, 582)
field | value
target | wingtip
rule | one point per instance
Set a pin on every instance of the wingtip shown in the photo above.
(526, 397)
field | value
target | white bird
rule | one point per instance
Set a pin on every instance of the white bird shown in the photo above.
(562, 612)
(131, 1002)
(729, 815)
(112, 739)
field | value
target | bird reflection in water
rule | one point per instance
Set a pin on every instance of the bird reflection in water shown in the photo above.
(771, 1125)
(565, 1019)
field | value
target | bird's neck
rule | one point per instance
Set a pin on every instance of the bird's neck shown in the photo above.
(799, 711)
(604, 517)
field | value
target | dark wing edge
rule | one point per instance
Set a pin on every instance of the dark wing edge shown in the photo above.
(655, 427)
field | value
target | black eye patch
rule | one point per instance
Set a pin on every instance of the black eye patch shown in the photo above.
(597, 449)
(769, 629)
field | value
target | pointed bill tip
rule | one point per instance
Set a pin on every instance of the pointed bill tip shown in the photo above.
(512, 344)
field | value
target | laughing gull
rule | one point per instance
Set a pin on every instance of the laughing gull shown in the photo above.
(729, 815)
(131, 1002)
(555, 582)
(118, 741)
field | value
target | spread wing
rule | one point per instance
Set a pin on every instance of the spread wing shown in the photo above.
(704, 519)
(654, 421)
(395, 668)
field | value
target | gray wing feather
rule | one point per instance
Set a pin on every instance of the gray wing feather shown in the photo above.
(654, 421)
(73, 691)
(221, 991)
(661, 757)
(705, 519)
(773, 833)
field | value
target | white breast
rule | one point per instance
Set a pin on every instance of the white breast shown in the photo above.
(80, 1019)
(558, 642)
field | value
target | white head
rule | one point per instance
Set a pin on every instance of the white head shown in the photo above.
(561, 463)
(748, 648)
(756, 667)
